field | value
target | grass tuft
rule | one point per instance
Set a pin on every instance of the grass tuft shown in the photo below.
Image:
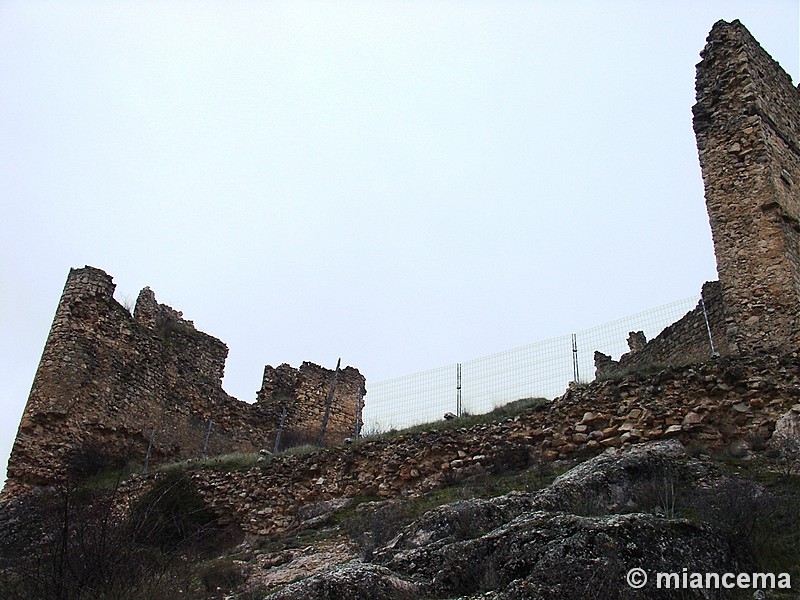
(237, 461)
(506, 411)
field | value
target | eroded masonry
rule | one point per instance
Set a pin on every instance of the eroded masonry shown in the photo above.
(114, 388)
(747, 125)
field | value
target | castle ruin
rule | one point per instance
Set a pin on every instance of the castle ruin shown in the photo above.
(114, 388)
(747, 125)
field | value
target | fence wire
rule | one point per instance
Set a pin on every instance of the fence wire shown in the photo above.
(539, 370)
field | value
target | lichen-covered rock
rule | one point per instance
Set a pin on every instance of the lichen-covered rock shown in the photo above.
(352, 580)
(457, 521)
(557, 555)
(525, 545)
(616, 480)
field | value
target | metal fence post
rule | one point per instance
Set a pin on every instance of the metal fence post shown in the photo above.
(280, 431)
(708, 327)
(576, 374)
(458, 389)
(149, 449)
(208, 434)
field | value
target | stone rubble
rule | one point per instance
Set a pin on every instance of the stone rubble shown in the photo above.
(731, 406)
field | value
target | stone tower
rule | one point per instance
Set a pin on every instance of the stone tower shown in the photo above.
(747, 124)
(107, 380)
(113, 388)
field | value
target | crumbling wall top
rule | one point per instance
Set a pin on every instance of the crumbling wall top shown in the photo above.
(736, 73)
(151, 314)
(88, 281)
(204, 353)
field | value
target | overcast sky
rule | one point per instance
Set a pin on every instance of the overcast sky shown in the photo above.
(402, 184)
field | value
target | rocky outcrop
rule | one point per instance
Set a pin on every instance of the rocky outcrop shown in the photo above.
(353, 580)
(529, 545)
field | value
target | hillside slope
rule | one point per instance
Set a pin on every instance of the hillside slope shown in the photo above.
(684, 468)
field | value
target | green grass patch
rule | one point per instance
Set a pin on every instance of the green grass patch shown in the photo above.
(642, 371)
(298, 450)
(466, 420)
(236, 461)
(108, 480)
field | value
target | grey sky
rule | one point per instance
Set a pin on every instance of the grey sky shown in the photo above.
(402, 184)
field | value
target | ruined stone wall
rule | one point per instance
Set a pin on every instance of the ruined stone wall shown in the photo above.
(747, 123)
(200, 355)
(108, 380)
(304, 393)
(685, 341)
(729, 406)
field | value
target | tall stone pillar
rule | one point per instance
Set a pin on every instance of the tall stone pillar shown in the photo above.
(747, 123)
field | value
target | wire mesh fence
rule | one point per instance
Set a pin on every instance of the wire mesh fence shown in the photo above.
(539, 370)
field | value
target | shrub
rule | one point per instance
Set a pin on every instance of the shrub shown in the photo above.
(67, 545)
(173, 517)
(222, 575)
(761, 525)
(511, 458)
(374, 524)
(91, 459)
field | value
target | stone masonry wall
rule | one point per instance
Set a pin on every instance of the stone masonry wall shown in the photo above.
(303, 393)
(684, 342)
(747, 123)
(730, 405)
(108, 380)
(201, 355)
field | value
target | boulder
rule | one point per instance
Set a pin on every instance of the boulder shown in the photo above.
(565, 541)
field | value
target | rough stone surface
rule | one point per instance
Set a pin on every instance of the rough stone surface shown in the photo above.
(303, 393)
(107, 380)
(735, 399)
(352, 580)
(747, 125)
(534, 545)
(684, 342)
(274, 569)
